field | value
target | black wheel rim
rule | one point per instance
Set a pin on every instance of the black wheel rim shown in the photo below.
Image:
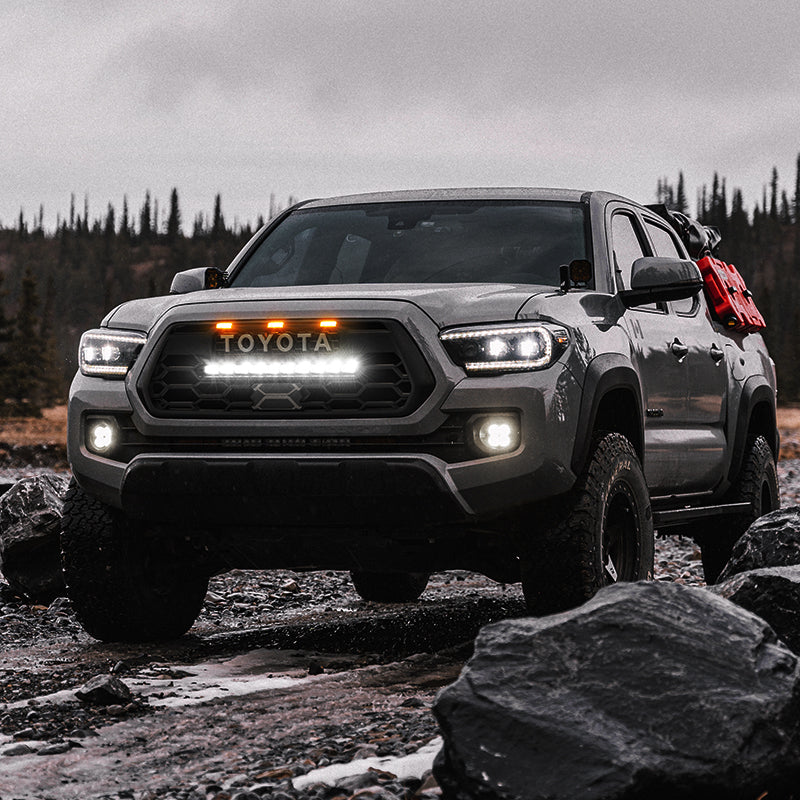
(620, 536)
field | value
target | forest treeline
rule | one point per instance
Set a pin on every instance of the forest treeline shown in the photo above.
(54, 284)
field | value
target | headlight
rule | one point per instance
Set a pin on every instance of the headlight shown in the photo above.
(505, 348)
(109, 353)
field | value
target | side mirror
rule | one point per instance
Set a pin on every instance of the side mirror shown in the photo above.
(655, 279)
(193, 280)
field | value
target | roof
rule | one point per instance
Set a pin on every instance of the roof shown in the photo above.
(421, 195)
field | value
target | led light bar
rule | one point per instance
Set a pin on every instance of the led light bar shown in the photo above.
(502, 366)
(312, 366)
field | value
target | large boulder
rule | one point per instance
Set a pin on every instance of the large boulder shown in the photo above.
(650, 690)
(30, 522)
(773, 593)
(771, 541)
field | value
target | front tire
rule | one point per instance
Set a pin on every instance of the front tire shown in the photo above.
(123, 586)
(757, 485)
(389, 587)
(599, 533)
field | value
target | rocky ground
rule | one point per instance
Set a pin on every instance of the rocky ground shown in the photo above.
(282, 675)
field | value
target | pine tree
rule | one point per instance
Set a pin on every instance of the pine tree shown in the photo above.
(145, 219)
(174, 220)
(797, 217)
(786, 211)
(124, 225)
(50, 389)
(218, 225)
(25, 368)
(773, 194)
(681, 203)
(5, 339)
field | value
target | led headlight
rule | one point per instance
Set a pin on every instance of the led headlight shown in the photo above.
(109, 353)
(505, 348)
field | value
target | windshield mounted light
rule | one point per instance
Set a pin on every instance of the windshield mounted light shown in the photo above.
(505, 348)
(109, 353)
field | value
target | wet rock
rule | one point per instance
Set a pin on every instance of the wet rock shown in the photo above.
(649, 690)
(771, 541)
(774, 594)
(352, 783)
(54, 749)
(104, 690)
(30, 522)
(20, 749)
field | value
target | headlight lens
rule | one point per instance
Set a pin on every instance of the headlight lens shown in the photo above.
(109, 353)
(505, 348)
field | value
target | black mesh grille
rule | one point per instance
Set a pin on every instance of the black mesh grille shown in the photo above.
(393, 380)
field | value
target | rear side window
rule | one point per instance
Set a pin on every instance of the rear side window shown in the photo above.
(664, 245)
(663, 242)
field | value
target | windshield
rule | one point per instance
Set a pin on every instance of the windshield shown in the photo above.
(425, 242)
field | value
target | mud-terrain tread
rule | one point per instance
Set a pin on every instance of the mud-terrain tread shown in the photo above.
(108, 583)
(720, 536)
(389, 587)
(561, 562)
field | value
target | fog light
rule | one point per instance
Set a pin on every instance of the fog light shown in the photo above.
(101, 436)
(497, 433)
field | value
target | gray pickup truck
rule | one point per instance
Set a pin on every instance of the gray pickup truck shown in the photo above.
(520, 382)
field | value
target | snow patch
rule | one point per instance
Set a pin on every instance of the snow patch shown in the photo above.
(413, 765)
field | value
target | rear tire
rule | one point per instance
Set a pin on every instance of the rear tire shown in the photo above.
(599, 533)
(757, 485)
(123, 586)
(389, 587)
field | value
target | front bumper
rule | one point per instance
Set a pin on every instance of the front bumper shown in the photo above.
(229, 472)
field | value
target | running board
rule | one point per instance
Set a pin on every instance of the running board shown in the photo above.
(679, 516)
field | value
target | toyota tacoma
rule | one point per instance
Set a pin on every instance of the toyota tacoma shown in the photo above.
(520, 382)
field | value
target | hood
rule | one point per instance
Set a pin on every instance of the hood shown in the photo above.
(446, 304)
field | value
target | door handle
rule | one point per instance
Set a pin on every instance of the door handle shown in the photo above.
(716, 353)
(679, 349)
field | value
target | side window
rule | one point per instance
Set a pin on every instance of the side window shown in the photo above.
(664, 245)
(626, 245)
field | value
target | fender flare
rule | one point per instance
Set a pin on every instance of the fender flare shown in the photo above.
(605, 373)
(755, 390)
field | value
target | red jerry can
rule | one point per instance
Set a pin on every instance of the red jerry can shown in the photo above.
(729, 296)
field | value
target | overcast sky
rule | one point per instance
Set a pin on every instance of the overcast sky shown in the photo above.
(319, 98)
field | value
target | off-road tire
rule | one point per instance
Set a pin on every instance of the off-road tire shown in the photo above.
(758, 485)
(122, 587)
(598, 533)
(389, 587)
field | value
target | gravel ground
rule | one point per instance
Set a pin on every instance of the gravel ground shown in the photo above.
(44, 650)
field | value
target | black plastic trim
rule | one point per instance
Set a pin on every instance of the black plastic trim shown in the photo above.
(604, 374)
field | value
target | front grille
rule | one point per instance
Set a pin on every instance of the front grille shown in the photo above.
(393, 379)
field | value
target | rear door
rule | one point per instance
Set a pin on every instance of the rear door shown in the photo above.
(704, 437)
(663, 368)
